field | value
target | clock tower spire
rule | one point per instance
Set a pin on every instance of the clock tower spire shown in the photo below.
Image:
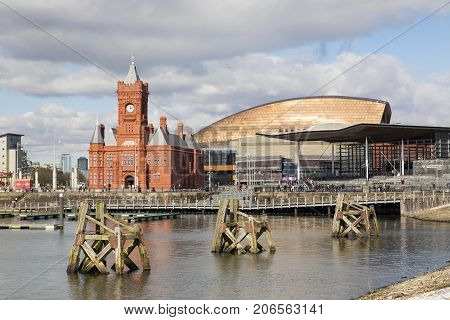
(133, 75)
(132, 95)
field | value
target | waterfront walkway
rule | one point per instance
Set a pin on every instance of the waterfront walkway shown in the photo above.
(256, 203)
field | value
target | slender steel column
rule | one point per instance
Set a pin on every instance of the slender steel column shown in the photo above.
(367, 159)
(402, 160)
(332, 160)
(298, 160)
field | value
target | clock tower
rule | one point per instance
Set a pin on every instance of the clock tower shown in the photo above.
(132, 95)
(135, 154)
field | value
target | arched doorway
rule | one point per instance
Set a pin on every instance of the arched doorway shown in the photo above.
(129, 182)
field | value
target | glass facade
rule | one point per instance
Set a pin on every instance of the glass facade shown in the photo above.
(219, 165)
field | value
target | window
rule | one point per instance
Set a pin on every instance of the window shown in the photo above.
(156, 160)
(109, 178)
(100, 178)
(109, 159)
(149, 159)
(156, 175)
(94, 178)
(165, 159)
(127, 159)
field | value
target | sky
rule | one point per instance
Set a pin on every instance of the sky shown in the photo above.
(60, 60)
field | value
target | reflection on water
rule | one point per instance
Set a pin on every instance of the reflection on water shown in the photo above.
(129, 286)
(308, 262)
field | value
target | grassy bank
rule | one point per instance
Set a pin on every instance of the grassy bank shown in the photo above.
(411, 288)
(439, 214)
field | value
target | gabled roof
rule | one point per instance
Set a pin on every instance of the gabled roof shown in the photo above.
(176, 141)
(97, 137)
(190, 141)
(110, 138)
(159, 138)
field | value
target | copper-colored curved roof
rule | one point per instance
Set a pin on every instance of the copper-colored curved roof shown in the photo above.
(295, 114)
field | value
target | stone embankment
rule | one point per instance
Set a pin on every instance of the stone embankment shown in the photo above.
(431, 285)
(439, 214)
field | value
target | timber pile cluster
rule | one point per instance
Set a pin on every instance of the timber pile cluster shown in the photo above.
(351, 217)
(411, 288)
(237, 232)
(98, 236)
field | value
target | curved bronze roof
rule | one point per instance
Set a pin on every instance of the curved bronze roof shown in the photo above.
(296, 114)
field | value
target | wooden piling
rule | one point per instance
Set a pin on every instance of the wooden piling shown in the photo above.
(351, 217)
(237, 232)
(110, 235)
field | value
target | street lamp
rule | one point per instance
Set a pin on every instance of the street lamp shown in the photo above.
(55, 181)
(136, 159)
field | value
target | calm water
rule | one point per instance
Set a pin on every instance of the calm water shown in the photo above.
(308, 262)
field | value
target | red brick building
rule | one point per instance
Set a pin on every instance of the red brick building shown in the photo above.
(138, 155)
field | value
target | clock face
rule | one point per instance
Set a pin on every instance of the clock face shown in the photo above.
(130, 108)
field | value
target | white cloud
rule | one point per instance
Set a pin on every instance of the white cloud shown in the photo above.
(183, 32)
(44, 78)
(227, 86)
(70, 129)
(203, 60)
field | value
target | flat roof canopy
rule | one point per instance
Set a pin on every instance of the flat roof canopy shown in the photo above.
(359, 132)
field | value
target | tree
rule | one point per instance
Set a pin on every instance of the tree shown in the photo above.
(46, 177)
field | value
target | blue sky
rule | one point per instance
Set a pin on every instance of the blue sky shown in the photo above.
(201, 68)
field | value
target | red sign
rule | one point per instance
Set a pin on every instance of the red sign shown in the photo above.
(23, 185)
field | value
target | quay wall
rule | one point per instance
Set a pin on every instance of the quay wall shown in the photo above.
(430, 207)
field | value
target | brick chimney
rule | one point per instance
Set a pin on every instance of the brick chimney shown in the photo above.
(180, 129)
(102, 130)
(163, 123)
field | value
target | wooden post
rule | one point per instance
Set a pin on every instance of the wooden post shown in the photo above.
(145, 258)
(61, 210)
(100, 210)
(253, 242)
(79, 239)
(118, 251)
(223, 205)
